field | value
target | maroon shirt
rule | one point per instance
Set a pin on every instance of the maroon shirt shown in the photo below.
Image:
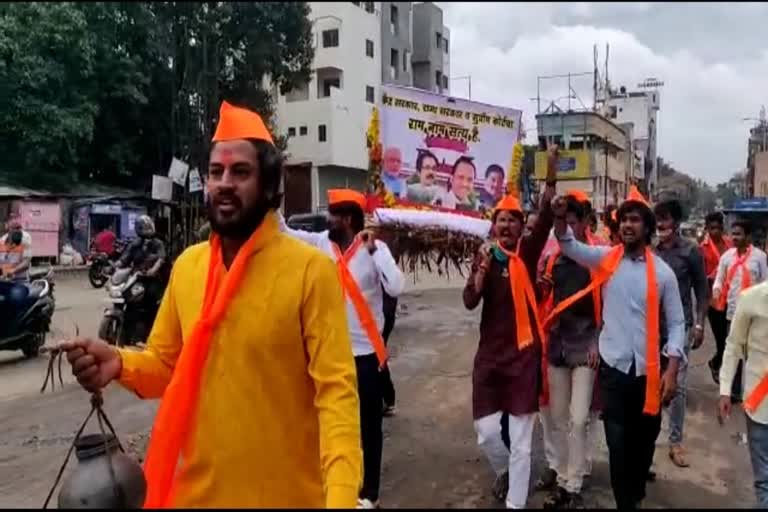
(504, 378)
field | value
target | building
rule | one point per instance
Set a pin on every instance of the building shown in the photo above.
(595, 154)
(640, 109)
(757, 160)
(760, 172)
(396, 43)
(358, 47)
(431, 49)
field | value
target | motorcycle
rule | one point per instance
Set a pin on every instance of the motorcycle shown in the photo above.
(130, 317)
(28, 321)
(102, 266)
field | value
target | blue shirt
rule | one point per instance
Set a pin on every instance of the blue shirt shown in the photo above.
(623, 337)
(394, 185)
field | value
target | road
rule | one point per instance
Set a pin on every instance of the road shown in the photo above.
(431, 459)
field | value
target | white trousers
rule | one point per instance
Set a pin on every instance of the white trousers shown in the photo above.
(517, 459)
(570, 398)
(550, 452)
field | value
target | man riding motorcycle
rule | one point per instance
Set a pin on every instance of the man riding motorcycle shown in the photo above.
(147, 255)
(15, 258)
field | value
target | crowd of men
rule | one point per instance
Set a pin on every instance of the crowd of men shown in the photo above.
(269, 354)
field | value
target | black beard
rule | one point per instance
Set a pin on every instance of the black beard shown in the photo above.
(242, 229)
(337, 235)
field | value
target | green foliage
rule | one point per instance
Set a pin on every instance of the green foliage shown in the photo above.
(111, 91)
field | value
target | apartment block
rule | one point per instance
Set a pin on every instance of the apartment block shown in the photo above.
(431, 49)
(358, 47)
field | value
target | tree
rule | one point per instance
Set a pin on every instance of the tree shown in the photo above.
(111, 91)
(46, 75)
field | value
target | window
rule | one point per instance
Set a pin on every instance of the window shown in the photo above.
(438, 78)
(292, 132)
(328, 83)
(405, 61)
(369, 7)
(445, 45)
(445, 82)
(330, 38)
(394, 62)
(393, 18)
(369, 48)
(321, 135)
(369, 94)
(438, 40)
(302, 130)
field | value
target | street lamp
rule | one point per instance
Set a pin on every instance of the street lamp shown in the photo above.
(468, 78)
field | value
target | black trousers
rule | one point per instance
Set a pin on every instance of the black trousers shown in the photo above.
(388, 388)
(371, 417)
(736, 386)
(630, 434)
(719, 324)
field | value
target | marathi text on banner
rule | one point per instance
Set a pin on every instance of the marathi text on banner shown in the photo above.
(445, 152)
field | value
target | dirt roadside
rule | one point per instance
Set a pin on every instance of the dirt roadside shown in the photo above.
(431, 459)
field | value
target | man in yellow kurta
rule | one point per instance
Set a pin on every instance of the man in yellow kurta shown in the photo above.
(253, 363)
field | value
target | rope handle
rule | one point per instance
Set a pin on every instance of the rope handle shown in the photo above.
(97, 403)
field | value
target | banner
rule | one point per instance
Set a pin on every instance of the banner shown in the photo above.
(162, 188)
(444, 152)
(572, 165)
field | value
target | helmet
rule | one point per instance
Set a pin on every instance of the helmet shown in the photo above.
(144, 227)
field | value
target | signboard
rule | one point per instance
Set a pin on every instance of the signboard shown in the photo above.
(195, 183)
(445, 152)
(178, 171)
(162, 188)
(106, 209)
(755, 203)
(572, 165)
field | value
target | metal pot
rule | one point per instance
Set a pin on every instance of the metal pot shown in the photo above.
(94, 484)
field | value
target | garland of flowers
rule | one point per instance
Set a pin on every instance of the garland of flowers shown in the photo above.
(375, 184)
(513, 172)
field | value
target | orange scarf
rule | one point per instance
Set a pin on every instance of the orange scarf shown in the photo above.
(175, 416)
(746, 278)
(602, 274)
(523, 296)
(548, 303)
(362, 308)
(712, 254)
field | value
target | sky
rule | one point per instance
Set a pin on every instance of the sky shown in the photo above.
(711, 57)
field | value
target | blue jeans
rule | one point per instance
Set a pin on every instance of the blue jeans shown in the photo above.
(677, 405)
(757, 435)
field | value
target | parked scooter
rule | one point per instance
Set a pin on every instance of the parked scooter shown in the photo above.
(130, 317)
(102, 266)
(27, 319)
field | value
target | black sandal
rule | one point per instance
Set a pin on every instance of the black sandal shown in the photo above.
(547, 480)
(557, 498)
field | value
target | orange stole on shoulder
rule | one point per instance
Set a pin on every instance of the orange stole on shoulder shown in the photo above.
(746, 279)
(523, 296)
(175, 417)
(602, 274)
(362, 308)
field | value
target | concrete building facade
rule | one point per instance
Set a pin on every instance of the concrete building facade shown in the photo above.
(358, 47)
(431, 49)
(640, 109)
(396, 43)
(757, 151)
(595, 155)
